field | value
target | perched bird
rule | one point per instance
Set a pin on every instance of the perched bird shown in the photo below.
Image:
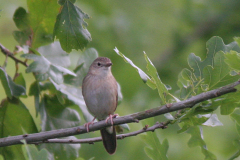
(100, 92)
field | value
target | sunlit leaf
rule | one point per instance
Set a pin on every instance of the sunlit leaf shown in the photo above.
(42, 18)
(233, 60)
(152, 72)
(70, 27)
(146, 79)
(37, 25)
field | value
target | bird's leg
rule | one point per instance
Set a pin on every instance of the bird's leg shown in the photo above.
(111, 118)
(88, 123)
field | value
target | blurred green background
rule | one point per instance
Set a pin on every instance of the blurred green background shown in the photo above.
(168, 31)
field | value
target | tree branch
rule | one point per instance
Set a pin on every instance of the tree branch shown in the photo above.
(11, 55)
(43, 136)
(98, 139)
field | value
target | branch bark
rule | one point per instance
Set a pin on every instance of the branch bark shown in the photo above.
(11, 55)
(44, 136)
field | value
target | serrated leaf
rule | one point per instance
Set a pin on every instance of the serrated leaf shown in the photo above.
(12, 123)
(44, 69)
(155, 149)
(54, 115)
(70, 27)
(214, 45)
(219, 74)
(233, 60)
(32, 153)
(152, 72)
(11, 89)
(197, 140)
(146, 79)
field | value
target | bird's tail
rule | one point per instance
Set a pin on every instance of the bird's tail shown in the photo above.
(109, 139)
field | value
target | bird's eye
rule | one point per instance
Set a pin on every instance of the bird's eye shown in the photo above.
(99, 64)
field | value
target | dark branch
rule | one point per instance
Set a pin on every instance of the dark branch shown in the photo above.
(11, 55)
(43, 136)
(98, 139)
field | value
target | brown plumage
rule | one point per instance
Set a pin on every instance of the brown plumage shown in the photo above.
(100, 92)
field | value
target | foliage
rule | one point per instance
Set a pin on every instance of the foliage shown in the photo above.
(57, 90)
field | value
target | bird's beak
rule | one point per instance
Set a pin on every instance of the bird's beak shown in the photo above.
(108, 64)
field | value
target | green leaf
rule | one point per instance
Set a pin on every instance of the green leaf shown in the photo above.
(155, 149)
(11, 89)
(20, 18)
(197, 140)
(198, 115)
(38, 23)
(34, 90)
(214, 45)
(229, 103)
(32, 153)
(54, 115)
(70, 27)
(236, 116)
(146, 79)
(63, 151)
(14, 118)
(19, 80)
(233, 60)
(41, 19)
(152, 72)
(219, 74)
(44, 69)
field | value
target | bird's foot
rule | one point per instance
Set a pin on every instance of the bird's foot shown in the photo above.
(88, 123)
(111, 118)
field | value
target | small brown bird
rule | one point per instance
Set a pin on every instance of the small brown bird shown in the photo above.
(100, 92)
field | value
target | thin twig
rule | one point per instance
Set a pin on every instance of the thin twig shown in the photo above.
(98, 139)
(11, 55)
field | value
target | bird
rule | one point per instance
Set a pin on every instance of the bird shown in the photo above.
(100, 93)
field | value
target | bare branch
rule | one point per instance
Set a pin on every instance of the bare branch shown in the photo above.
(98, 139)
(11, 55)
(43, 136)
